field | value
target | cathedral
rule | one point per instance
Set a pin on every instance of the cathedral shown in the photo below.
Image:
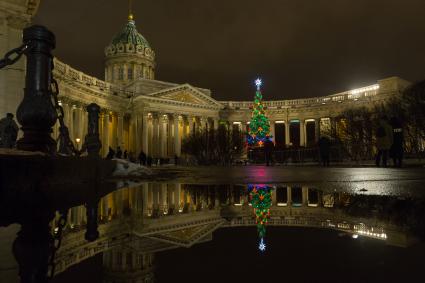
(140, 112)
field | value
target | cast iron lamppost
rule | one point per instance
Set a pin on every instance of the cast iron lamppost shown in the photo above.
(36, 113)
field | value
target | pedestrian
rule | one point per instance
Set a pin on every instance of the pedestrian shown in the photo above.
(142, 158)
(8, 131)
(119, 153)
(268, 150)
(125, 155)
(111, 153)
(149, 161)
(396, 151)
(384, 140)
(324, 150)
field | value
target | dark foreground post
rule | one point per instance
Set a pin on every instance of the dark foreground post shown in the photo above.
(92, 142)
(36, 112)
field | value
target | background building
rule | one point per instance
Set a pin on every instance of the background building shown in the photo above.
(142, 113)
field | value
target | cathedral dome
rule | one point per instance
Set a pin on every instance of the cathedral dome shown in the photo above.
(129, 56)
(129, 34)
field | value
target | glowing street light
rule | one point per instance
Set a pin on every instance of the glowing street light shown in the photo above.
(78, 140)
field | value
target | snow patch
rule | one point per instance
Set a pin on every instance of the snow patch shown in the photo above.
(126, 168)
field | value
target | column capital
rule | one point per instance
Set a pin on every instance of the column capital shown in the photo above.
(178, 116)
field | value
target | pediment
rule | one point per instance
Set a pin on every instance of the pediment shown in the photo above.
(186, 237)
(187, 94)
(184, 96)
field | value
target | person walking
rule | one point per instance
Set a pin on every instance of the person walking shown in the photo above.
(268, 150)
(396, 151)
(324, 150)
(111, 153)
(119, 153)
(142, 158)
(8, 131)
(384, 140)
(125, 154)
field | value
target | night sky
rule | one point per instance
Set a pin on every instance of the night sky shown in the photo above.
(300, 48)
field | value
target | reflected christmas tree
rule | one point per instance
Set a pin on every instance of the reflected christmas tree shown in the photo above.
(259, 127)
(261, 200)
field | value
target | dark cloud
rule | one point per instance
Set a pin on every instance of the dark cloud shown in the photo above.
(300, 48)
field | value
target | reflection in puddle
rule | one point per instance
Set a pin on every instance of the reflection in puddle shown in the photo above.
(138, 223)
(260, 198)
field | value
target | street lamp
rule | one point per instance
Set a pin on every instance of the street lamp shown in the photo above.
(78, 140)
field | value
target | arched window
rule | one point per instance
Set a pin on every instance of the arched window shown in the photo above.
(120, 73)
(130, 73)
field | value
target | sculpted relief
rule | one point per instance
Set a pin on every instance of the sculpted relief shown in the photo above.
(184, 96)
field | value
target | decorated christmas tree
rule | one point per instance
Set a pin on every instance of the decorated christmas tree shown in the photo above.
(261, 200)
(259, 127)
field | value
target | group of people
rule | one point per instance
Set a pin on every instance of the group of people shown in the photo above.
(117, 154)
(389, 141)
(142, 158)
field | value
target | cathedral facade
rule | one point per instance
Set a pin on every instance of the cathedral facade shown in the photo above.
(140, 112)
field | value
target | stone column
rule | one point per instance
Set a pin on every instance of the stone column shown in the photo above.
(120, 130)
(289, 195)
(163, 198)
(138, 125)
(132, 134)
(305, 196)
(317, 129)
(191, 124)
(155, 135)
(113, 132)
(333, 127)
(274, 200)
(302, 132)
(177, 200)
(150, 198)
(185, 127)
(71, 123)
(145, 133)
(85, 122)
(145, 203)
(105, 138)
(80, 126)
(163, 135)
(155, 196)
(203, 122)
(287, 136)
(216, 123)
(177, 141)
(66, 113)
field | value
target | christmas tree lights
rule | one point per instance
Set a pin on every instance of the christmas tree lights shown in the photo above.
(259, 127)
(261, 200)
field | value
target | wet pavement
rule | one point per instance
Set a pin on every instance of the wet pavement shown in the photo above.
(382, 181)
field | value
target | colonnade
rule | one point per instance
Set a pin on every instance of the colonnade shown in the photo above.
(154, 200)
(118, 73)
(76, 119)
(295, 131)
(112, 129)
(160, 134)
